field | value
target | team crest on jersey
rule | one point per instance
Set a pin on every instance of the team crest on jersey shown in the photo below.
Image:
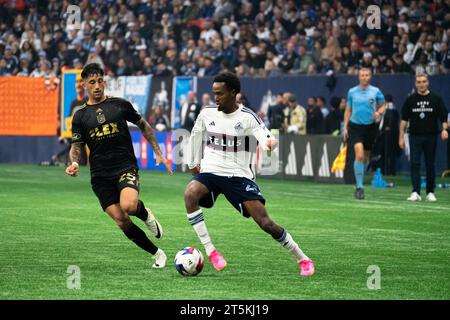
(76, 136)
(371, 101)
(100, 116)
(239, 127)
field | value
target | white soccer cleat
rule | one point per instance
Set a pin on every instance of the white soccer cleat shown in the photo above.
(414, 197)
(153, 225)
(431, 197)
(160, 259)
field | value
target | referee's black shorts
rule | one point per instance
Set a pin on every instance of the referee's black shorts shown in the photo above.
(362, 133)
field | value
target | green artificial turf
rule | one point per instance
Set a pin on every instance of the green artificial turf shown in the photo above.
(49, 221)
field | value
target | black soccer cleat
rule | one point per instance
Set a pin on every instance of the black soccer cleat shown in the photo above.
(359, 193)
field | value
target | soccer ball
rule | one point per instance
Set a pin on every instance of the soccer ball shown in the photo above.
(189, 261)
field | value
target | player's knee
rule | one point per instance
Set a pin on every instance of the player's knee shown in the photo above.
(129, 206)
(191, 195)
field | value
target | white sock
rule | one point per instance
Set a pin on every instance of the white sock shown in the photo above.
(197, 221)
(287, 242)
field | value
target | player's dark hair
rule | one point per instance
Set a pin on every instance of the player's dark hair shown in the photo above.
(92, 69)
(231, 81)
(421, 74)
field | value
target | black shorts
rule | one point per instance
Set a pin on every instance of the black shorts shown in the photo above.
(107, 189)
(365, 134)
(237, 190)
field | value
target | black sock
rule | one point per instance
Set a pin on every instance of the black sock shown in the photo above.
(141, 212)
(135, 234)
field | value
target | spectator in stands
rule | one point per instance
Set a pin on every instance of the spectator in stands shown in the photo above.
(122, 68)
(303, 61)
(334, 119)
(206, 101)
(24, 66)
(77, 51)
(159, 120)
(276, 114)
(294, 116)
(388, 138)
(242, 99)
(288, 60)
(444, 57)
(12, 62)
(44, 70)
(93, 57)
(265, 38)
(322, 104)
(189, 112)
(77, 64)
(28, 51)
(81, 97)
(4, 70)
(331, 50)
(314, 120)
(400, 66)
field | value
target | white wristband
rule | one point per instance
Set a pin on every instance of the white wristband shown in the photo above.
(75, 163)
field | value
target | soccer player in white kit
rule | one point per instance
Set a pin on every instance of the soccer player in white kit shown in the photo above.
(226, 168)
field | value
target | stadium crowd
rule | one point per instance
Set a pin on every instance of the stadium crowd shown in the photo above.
(203, 38)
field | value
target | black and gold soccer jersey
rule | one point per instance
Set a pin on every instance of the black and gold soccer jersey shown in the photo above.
(103, 127)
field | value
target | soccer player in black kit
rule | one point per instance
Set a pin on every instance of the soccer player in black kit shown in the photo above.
(426, 114)
(102, 124)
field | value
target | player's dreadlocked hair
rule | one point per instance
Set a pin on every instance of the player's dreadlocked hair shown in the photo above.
(231, 81)
(91, 69)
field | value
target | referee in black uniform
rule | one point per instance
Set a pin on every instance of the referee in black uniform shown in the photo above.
(426, 114)
(101, 123)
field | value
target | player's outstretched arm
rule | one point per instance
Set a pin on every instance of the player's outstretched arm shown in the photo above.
(149, 134)
(194, 154)
(75, 156)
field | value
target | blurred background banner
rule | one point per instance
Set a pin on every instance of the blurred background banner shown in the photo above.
(28, 106)
(181, 88)
(71, 79)
(136, 91)
(144, 152)
(160, 96)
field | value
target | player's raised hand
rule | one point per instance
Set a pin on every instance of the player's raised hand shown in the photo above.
(271, 144)
(164, 161)
(72, 170)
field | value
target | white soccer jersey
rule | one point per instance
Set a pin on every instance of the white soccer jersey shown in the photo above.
(230, 142)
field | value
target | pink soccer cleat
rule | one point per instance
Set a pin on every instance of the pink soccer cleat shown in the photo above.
(217, 260)
(306, 267)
